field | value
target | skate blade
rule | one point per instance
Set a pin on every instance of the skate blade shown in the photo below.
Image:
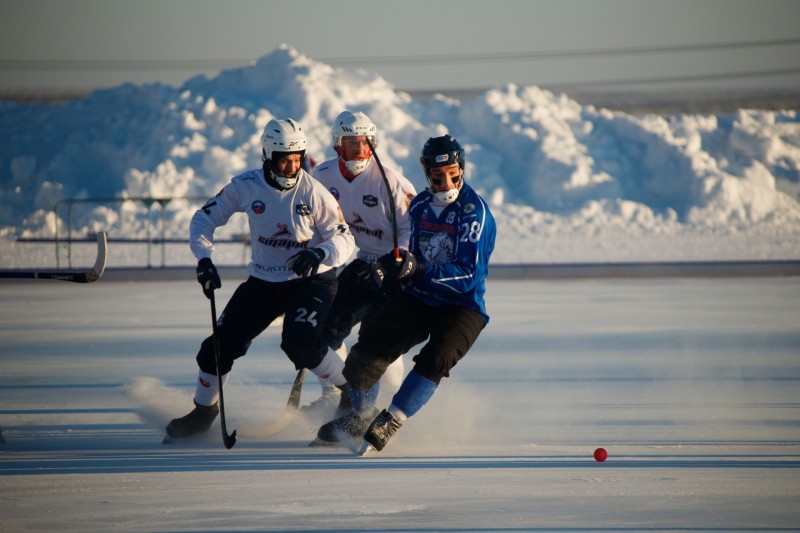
(366, 449)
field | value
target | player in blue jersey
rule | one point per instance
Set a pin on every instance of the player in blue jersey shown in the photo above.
(443, 274)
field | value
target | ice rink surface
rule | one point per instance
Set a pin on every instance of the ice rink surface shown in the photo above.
(692, 385)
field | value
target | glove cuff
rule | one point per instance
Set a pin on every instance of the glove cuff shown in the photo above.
(419, 273)
(320, 253)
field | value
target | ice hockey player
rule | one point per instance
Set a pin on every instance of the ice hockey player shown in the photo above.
(444, 281)
(298, 238)
(356, 181)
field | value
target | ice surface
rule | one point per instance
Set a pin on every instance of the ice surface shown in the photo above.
(691, 385)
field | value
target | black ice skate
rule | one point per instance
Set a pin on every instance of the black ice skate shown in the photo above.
(196, 422)
(346, 428)
(379, 432)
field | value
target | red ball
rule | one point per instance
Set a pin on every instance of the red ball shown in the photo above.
(600, 455)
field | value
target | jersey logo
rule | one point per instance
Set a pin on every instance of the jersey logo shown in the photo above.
(369, 200)
(258, 207)
(437, 247)
(335, 193)
(302, 209)
(283, 229)
(357, 218)
(282, 239)
(358, 226)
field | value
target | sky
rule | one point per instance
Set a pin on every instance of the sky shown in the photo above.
(690, 385)
(51, 45)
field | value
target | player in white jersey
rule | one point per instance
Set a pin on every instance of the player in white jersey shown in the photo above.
(357, 182)
(298, 239)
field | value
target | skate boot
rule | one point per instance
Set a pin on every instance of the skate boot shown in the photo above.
(348, 427)
(379, 432)
(196, 422)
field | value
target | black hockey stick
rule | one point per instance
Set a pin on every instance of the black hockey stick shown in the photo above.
(77, 276)
(393, 215)
(228, 440)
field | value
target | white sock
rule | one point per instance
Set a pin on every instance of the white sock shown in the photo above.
(399, 415)
(207, 390)
(327, 386)
(331, 368)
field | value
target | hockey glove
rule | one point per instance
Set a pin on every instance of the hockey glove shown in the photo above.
(306, 263)
(208, 277)
(362, 274)
(402, 269)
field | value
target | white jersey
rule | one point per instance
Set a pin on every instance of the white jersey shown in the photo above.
(282, 223)
(366, 207)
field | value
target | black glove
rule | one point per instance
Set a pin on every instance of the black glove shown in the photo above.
(364, 277)
(358, 274)
(208, 277)
(401, 269)
(306, 263)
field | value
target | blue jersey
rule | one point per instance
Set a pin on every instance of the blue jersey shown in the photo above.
(456, 244)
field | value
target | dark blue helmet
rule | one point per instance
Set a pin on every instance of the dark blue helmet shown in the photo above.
(441, 151)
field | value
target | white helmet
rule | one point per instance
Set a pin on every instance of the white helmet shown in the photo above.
(354, 124)
(282, 137)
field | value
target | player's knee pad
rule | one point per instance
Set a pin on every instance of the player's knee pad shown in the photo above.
(305, 351)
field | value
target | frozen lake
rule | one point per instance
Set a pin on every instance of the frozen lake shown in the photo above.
(692, 385)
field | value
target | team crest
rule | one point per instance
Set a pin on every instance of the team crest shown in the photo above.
(302, 209)
(335, 193)
(258, 207)
(283, 230)
(356, 218)
(438, 248)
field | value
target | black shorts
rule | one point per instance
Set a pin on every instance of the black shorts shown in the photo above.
(256, 304)
(401, 324)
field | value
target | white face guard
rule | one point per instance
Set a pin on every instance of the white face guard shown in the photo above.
(355, 167)
(284, 182)
(447, 197)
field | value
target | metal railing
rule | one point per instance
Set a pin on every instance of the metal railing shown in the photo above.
(149, 203)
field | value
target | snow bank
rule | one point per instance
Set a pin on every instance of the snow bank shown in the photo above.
(550, 163)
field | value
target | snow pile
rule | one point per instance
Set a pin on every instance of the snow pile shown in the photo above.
(551, 167)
